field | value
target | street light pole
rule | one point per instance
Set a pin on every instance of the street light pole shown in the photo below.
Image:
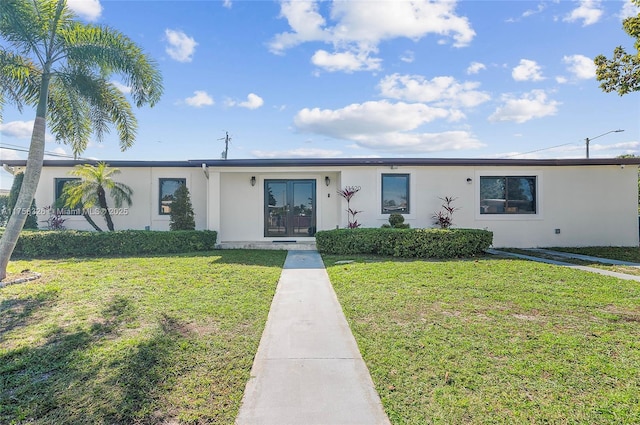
(587, 140)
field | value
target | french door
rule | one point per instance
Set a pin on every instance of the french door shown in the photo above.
(289, 208)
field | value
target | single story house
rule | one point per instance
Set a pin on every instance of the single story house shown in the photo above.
(525, 202)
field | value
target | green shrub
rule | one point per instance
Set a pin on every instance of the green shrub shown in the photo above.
(407, 243)
(72, 243)
(396, 221)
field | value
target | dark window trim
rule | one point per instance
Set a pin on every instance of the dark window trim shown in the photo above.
(534, 201)
(160, 181)
(408, 177)
(60, 210)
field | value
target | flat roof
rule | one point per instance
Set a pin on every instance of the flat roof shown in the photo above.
(341, 162)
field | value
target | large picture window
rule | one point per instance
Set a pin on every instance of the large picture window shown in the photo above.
(168, 189)
(508, 195)
(58, 203)
(395, 193)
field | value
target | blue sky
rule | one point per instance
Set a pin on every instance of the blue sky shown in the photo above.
(476, 79)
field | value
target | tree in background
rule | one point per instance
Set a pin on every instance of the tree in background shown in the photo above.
(621, 73)
(32, 219)
(63, 68)
(91, 190)
(182, 217)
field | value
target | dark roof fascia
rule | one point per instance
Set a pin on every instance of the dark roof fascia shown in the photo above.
(387, 162)
(343, 162)
(118, 163)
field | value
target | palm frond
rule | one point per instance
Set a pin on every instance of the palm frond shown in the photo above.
(114, 53)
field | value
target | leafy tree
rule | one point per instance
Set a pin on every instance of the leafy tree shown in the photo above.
(62, 67)
(621, 73)
(91, 190)
(32, 219)
(181, 214)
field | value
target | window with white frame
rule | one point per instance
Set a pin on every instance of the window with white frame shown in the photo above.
(395, 194)
(508, 194)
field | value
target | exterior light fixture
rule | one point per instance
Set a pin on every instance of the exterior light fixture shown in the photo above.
(587, 140)
(253, 180)
(327, 180)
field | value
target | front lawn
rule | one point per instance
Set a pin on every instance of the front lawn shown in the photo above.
(153, 340)
(498, 341)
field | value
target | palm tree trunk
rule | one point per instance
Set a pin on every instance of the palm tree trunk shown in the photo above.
(90, 221)
(30, 182)
(102, 200)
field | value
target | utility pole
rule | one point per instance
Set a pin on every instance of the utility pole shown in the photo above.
(226, 139)
(587, 140)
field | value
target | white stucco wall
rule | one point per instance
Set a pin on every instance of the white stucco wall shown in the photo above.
(590, 205)
(144, 210)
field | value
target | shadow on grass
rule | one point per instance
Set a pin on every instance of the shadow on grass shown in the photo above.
(73, 378)
(248, 257)
(16, 313)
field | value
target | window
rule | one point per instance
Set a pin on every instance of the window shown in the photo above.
(395, 193)
(59, 203)
(168, 189)
(508, 195)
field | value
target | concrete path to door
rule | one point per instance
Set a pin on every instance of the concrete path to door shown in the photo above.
(308, 369)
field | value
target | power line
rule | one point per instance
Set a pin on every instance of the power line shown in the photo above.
(538, 150)
(17, 148)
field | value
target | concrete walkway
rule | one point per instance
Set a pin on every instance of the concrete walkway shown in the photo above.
(308, 369)
(570, 265)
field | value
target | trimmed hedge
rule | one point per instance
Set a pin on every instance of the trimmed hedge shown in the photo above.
(407, 243)
(72, 243)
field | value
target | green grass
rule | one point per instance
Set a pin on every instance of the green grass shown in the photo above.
(621, 253)
(612, 253)
(494, 341)
(146, 340)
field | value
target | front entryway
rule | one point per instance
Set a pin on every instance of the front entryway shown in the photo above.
(289, 208)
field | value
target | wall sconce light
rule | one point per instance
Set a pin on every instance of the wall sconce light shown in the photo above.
(469, 180)
(253, 180)
(327, 180)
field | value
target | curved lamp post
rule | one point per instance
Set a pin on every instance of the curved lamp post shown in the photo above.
(587, 140)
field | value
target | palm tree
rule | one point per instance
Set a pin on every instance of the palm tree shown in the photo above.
(91, 190)
(62, 67)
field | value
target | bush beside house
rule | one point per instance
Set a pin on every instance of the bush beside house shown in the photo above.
(71, 243)
(407, 243)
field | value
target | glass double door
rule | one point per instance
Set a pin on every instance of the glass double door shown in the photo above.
(289, 208)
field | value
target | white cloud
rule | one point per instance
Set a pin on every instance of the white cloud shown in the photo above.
(59, 151)
(9, 154)
(442, 91)
(298, 153)
(561, 79)
(475, 67)
(124, 89)
(253, 102)
(181, 47)
(199, 99)
(589, 12)
(385, 126)
(408, 56)
(17, 129)
(528, 70)
(345, 61)
(227, 4)
(529, 106)
(529, 12)
(629, 9)
(420, 142)
(87, 9)
(356, 31)
(580, 66)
